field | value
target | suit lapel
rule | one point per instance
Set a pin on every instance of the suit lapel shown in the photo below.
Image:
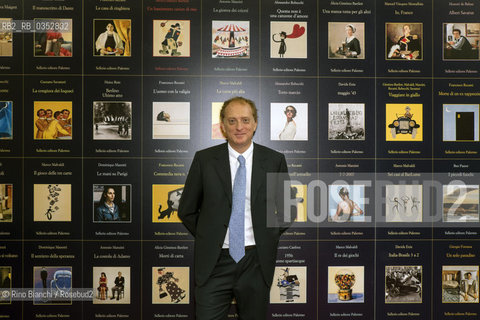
(258, 173)
(222, 167)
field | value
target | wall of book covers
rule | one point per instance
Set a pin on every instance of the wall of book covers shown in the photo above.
(106, 101)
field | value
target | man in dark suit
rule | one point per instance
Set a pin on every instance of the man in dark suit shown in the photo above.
(119, 285)
(235, 257)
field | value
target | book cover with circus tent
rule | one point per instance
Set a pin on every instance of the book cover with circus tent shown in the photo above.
(230, 39)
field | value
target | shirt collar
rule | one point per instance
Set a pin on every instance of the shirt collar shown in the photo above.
(235, 154)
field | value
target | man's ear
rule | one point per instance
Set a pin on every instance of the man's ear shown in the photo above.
(222, 128)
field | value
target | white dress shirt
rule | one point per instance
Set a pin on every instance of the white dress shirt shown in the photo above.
(458, 43)
(234, 164)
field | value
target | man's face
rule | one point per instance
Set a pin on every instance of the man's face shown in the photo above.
(406, 30)
(456, 34)
(41, 113)
(119, 274)
(239, 125)
(49, 113)
(66, 114)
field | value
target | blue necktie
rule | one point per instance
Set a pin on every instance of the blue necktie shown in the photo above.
(236, 239)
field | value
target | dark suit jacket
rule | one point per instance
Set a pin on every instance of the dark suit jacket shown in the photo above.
(120, 282)
(206, 205)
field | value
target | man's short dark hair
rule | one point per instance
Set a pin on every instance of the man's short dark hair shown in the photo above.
(38, 112)
(55, 115)
(458, 30)
(242, 100)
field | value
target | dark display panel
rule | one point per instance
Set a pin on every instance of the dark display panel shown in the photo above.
(103, 104)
